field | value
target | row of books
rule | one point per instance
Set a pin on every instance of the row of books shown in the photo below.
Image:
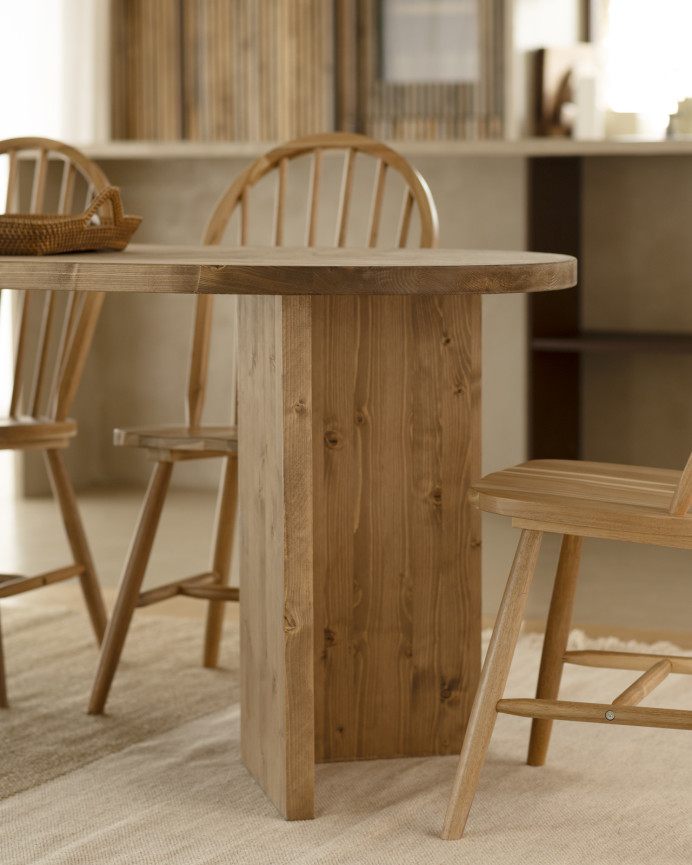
(270, 70)
(217, 70)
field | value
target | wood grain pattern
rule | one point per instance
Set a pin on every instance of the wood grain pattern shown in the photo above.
(397, 580)
(214, 270)
(275, 483)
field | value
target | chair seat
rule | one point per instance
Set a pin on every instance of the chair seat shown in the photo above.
(183, 439)
(593, 499)
(27, 432)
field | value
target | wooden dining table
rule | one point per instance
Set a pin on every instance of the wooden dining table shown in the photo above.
(359, 433)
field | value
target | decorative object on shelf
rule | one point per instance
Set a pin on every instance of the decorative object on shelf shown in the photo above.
(51, 233)
(680, 123)
(567, 82)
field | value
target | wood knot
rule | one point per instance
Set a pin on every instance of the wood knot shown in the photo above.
(329, 637)
(458, 389)
(360, 418)
(448, 689)
(332, 439)
(289, 622)
(436, 497)
(300, 407)
(446, 340)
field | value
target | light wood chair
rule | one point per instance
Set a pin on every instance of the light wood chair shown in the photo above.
(53, 336)
(576, 500)
(192, 441)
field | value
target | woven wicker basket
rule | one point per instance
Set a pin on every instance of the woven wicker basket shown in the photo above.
(48, 234)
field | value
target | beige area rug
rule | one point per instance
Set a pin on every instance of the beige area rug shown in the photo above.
(182, 797)
(51, 656)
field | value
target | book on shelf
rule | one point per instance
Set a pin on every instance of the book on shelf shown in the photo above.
(270, 70)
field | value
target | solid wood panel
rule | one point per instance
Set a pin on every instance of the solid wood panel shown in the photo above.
(397, 547)
(275, 485)
(217, 270)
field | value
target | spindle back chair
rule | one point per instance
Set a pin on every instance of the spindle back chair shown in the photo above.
(302, 214)
(576, 500)
(52, 337)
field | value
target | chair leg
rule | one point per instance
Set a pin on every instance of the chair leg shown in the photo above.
(492, 684)
(4, 703)
(224, 530)
(130, 583)
(555, 643)
(64, 494)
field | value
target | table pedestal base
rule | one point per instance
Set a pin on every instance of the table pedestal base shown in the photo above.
(360, 556)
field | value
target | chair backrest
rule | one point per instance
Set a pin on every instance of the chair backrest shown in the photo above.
(54, 329)
(318, 212)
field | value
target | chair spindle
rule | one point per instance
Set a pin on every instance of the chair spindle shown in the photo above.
(279, 211)
(244, 216)
(345, 198)
(38, 192)
(69, 175)
(315, 183)
(199, 363)
(44, 342)
(20, 354)
(11, 197)
(73, 306)
(378, 196)
(405, 219)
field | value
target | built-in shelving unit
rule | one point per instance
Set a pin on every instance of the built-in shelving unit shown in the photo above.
(615, 341)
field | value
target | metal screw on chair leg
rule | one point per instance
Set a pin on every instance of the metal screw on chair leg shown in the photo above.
(610, 715)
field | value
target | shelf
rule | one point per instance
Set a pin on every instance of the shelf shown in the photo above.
(613, 341)
(529, 147)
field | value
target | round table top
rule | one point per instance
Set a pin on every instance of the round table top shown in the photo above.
(292, 270)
